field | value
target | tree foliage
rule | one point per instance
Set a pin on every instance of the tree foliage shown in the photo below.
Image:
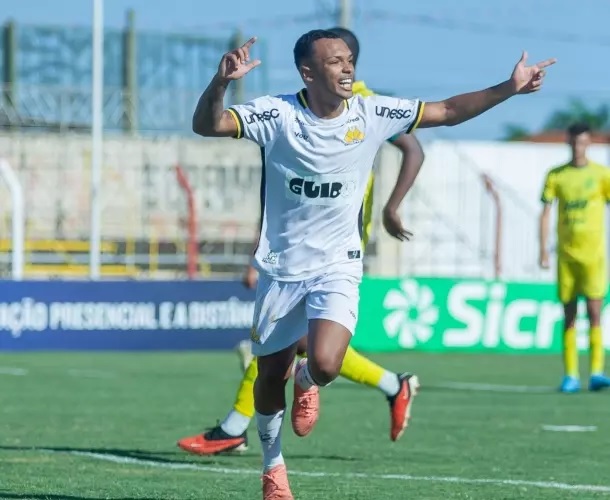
(576, 110)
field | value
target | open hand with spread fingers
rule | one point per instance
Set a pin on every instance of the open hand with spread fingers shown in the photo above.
(528, 79)
(236, 63)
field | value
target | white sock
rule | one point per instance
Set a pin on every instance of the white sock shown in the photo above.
(389, 383)
(269, 432)
(235, 424)
(303, 377)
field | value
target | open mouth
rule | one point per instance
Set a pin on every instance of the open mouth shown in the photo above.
(346, 83)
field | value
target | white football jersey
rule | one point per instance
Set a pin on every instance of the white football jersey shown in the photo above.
(314, 176)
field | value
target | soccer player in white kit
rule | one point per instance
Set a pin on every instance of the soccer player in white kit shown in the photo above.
(319, 149)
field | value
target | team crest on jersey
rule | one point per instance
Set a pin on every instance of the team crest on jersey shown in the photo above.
(353, 136)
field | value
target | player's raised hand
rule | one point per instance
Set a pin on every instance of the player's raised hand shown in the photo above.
(527, 79)
(235, 64)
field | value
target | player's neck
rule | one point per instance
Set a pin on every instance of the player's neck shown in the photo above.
(325, 107)
(579, 161)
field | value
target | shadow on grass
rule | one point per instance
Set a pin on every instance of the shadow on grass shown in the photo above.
(48, 496)
(163, 457)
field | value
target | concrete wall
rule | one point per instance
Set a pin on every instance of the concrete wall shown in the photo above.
(449, 210)
(454, 217)
(140, 194)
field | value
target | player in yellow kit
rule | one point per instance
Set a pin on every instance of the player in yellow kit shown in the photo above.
(398, 388)
(582, 189)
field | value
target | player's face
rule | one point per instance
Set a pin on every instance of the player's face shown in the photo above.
(579, 144)
(333, 67)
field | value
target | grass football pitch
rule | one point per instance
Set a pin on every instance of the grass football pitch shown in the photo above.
(86, 426)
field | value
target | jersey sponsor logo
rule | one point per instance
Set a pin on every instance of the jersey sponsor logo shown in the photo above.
(302, 136)
(352, 120)
(353, 136)
(320, 190)
(264, 116)
(393, 114)
(576, 205)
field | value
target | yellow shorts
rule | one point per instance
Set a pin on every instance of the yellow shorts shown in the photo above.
(587, 279)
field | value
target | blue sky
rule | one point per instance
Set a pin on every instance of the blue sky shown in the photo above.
(432, 49)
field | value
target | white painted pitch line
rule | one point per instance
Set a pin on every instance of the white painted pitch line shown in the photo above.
(468, 386)
(347, 475)
(17, 372)
(569, 428)
(91, 373)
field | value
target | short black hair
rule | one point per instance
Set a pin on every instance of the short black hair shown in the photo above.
(578, 128)
(349, 38)
(303, 49)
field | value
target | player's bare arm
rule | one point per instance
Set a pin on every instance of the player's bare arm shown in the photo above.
(412, 160)
(210, 118)
(545, 217)
(455, 110)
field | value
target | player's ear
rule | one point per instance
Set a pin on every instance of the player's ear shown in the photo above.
(306, 73)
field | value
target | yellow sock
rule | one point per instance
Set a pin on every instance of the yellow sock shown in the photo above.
(244, 401)
(570, 352)
(596, 350)
(361, 370)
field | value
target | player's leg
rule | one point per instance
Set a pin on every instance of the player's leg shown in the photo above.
(597, 379)
(566, 284)
(231, 434)
(270, 403)
(302, 346)
(594, 288)
(332, 307)
(571, 380)
(399, 389)
(243, 408)
(361, 370)
(327, 343)
(279, 321)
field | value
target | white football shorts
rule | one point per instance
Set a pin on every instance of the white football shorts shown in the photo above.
(283, 308)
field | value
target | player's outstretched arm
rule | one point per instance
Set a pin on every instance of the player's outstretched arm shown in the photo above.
(455, 110)
(412, 160)
(210, 119)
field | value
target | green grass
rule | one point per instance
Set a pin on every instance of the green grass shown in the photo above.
(138, 405)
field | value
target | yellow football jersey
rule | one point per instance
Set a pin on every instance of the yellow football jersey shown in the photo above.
(360, 88)
(582, 194)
